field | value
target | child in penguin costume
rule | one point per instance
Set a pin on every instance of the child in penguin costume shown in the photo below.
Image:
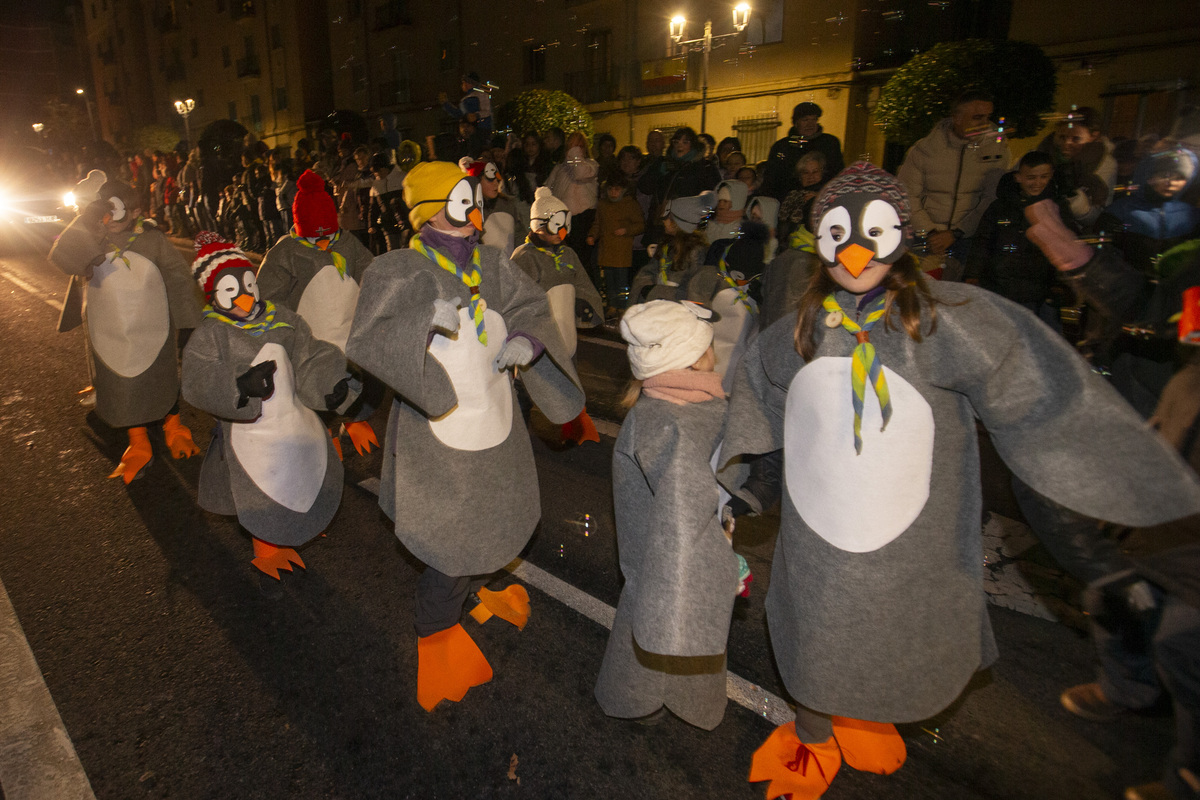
(875, 606)
(139, 295)
(674, 263)
(730, 278)
(574, 301)
(445, 324)
(316, 271)
(258, 368)
(503, 215)
(668, 640)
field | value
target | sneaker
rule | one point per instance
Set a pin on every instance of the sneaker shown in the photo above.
(1149, 791)
(1087, 700)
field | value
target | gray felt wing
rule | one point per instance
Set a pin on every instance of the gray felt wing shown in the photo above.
(210, 372)
(318, 364)
(76, 247)
(1060, 427)
(183, 293)
(390, 334)
(276, 275)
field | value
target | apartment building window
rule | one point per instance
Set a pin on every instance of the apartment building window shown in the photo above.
(281, 98)
(1130, 111)
(399, 88)
(766, 22)
(233, 110)
(534, 64)
(256, 113)
(358, 78)
(447, 56)
(276, 37)
(225, 59)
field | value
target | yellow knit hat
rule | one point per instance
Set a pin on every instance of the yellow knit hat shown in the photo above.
(426, 188)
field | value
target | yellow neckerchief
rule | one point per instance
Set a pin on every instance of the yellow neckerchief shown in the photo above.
(471, 278)
(802, 239)
(864, 364)
(266, 323)
(339, 260)
(556, 253)
(139, 227)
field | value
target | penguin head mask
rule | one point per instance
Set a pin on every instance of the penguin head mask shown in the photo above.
(442, 190)
(227, 277)
(124, 205)
(549, 217)
(861, 223)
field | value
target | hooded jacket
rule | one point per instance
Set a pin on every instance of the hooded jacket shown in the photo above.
(780, 177)
(1145, 224)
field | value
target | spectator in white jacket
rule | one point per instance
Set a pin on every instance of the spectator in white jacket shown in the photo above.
(576, 182)
(951, 176)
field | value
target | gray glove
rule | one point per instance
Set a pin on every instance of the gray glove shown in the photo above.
(517, 352)
(445, 315)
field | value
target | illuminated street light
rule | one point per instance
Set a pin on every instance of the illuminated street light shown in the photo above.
(38, 127)
(87, 101)
(741, 18)
(184, 109)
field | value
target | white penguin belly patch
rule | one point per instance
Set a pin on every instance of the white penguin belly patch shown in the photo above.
(327, 305)
(732, 329)
(284, 451)
(498, 231)
(857, 503)
(483, 416)
(562, 308)
(128, 316)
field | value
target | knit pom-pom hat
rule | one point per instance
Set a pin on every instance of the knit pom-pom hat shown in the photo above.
(545, 205)
(214, 255)
(313, 211)
(664, 335)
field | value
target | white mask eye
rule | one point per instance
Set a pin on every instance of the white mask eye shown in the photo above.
(479, 196)
(460, 202)
(490, 172)
(228, 287)
(832, 230)
(881, 224)
(250, 284)
(558, 221)
(118, 208)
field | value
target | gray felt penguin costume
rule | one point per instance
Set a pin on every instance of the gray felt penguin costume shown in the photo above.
(876, 609)
(675, 263)
(316, 271)
(667, 646)
(139, 295)
(444, 324)
(574, 301)
(258, 368)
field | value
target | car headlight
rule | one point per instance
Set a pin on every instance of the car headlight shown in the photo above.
(68, 200)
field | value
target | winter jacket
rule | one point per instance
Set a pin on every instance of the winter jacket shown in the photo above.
(1002, 258)
(780, 177)
(950, 182)
(1145, 224)
(1087, 179)
(615, 251)
(574, 181)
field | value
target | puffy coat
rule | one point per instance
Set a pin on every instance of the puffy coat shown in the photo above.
(1144, 224)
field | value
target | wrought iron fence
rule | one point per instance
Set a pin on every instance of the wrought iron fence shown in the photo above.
(757, 133)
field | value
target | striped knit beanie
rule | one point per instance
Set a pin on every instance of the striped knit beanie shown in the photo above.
(214, 255)
(863, 177)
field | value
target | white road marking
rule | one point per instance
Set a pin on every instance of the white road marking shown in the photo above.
(741, 691)
(602, 342)
(37, 759)
(31, 289)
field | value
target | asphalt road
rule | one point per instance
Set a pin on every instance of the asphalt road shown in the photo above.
(176, 678)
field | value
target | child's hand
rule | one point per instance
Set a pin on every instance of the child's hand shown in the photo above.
(591, 240)
(619, 231)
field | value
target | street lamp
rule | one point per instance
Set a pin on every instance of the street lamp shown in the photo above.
(184, 109)
(87, 101)
(741, 18)
(38, 127)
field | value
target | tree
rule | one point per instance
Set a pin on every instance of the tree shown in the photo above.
(154, 137)
(1018, 75)
(539, 110)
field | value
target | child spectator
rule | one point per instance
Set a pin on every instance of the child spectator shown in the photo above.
(618, 220)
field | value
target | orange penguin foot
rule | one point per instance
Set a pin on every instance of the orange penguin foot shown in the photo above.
(448, 664)
(270, 559)
(362, 435)
(803, 771)
(869, 746)
(581, 429)
(179, 438)
(337, 443)
(136, 457)
(510, 605)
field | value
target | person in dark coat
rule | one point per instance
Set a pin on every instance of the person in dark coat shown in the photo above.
(684, 172)
(805, 136)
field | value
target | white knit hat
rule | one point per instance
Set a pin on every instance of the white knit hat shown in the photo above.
(690, 213)
(664, 335)
(545, 204)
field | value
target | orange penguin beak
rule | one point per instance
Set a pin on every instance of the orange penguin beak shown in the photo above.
(562, 234)
(476, 217)
(855, 259)
(245, 302)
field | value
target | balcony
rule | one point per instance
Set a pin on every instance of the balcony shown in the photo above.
(248, 67)
(593, 85)
(669, 76)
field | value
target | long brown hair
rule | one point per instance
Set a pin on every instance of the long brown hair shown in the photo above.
(683, 246)
(906, 288)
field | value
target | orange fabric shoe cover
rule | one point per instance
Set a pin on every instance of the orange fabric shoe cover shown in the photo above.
(580, 430)
(448, 664)
(337, 443)
(362, 435)
(510, 605)
(794, 768)
(869, 746)
(179, 438)
(270, 559)
(136, 457)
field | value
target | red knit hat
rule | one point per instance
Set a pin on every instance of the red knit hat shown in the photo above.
(214, 255)
(313, 211)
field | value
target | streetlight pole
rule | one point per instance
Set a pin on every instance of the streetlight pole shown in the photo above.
(184, 109)
(741, 18)
(87, 101)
